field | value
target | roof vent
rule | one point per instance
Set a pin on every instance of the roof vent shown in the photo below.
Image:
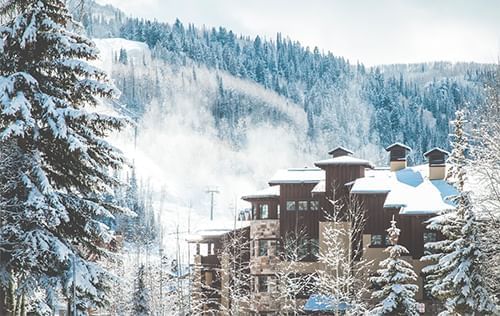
(437, 163)
(397, 156)
(340, 151)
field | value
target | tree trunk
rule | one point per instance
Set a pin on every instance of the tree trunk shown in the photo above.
(3, 298)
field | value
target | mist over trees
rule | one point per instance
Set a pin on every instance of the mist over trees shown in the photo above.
(408, 103)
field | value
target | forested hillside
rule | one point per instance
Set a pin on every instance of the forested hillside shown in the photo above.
(343, 103)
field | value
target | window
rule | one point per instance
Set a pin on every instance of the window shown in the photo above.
(278, 211)
(302, 205)
(209, 277)
(376, 240)
(263, 245)
(430, 237)
(314, 247)
(314, 205)
(387, 240)
(263, 211)
(303, 249)
(262, 283)
(290, 206)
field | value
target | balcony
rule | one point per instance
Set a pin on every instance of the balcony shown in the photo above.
(210, 261)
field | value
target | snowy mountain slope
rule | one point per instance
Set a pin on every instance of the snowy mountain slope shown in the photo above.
(178, 145)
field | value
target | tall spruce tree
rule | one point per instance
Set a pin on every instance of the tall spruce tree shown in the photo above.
(141, 299)
(455, 274)
(56, 204)
(396, 280)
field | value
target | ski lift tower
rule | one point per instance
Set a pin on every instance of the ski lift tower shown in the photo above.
(212, 192)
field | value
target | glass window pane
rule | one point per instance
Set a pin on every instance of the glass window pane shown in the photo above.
(314, 205)
(263, 248)
(290, 205)
(430, 237)
(264, 211)
(302, 205)
(314, 245)
(302, 248)
(376, 240)
(262, 279)
(387, 240)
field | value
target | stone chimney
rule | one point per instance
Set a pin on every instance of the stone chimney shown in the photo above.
(340, 151)
(437, 163)
(397, 156)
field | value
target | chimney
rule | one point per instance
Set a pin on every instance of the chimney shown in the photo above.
(437, 163)
(397, 156)
(340, 151)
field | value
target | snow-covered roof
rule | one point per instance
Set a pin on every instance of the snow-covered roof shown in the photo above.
(375, 181)
(207, 234)
(270, 192)
(409, 189)
(388, 148)
(214, 229)
(436, 149)
(297, 175)
(343, 160)
(340, 148)
(319, 188)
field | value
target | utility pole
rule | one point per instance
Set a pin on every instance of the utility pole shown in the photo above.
(74, 285)
(212, 193)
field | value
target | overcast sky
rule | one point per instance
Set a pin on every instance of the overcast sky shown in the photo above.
(371, 31)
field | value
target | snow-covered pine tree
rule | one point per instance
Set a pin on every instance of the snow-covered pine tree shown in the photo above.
(396, 280)
(141, 299)
(455, 274)
(56, 205)
(485, 151)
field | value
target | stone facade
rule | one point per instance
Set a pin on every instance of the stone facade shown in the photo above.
(265, 229)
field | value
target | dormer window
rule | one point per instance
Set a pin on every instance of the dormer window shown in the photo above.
(263, 211)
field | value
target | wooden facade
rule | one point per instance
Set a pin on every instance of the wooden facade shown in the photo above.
(302, 204)
(298, 219)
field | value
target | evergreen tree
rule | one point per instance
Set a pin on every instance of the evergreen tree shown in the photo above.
(141, 303)
(396, 280)
(56, 204)
(455, 275)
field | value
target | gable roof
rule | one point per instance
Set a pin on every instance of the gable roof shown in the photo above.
(436, 149)
(388, 148)
(341, 150)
